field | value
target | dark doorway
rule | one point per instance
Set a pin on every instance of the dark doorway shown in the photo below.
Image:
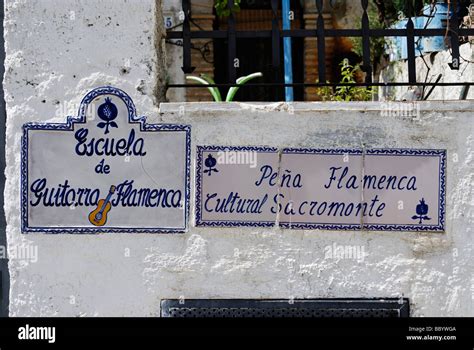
(255, 54)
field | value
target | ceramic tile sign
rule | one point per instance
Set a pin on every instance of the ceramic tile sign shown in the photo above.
(334, 189)
(227, 191)
(106, 170)
(379, 189)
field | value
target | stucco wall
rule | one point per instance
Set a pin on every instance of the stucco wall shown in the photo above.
(427, 70)
(55, 51)
(128, 274)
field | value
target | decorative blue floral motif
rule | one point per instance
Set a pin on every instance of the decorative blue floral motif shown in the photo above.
(107, 112)
(421, 211)
(210, 163)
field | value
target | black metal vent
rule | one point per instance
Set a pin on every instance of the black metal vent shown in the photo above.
(285, 308)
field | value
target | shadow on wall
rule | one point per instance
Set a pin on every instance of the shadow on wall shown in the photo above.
(4, 275)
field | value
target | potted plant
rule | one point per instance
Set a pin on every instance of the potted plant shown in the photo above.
(207, 80)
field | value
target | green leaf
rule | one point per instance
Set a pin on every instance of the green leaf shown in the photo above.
(222, 9)
(240, 81)
(213, 90)
(212, 82)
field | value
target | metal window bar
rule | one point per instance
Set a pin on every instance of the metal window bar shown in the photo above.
(232, 44)
(321, 33)
(367, 66)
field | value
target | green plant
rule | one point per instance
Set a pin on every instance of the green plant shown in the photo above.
(207, 80)
(222, 8)
(346, 93)
(391, 11)
(401, 7)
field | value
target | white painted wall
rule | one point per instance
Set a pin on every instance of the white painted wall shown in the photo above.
(56, 50)
(128, 274)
